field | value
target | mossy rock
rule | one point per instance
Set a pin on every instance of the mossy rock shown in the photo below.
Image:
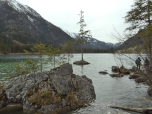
(44, 98)
(134, 76)
(115, 69)
(140, 80)
(124, 71)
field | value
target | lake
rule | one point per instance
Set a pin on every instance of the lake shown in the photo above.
(109, 91)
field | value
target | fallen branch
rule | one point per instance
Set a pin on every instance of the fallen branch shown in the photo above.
(139, 110)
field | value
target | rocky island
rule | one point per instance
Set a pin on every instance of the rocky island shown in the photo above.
(56, 91)
(81, 62)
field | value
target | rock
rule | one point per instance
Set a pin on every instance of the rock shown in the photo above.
(134, 69)
(115, 69)
(103, 72)
(58, 91)
(64, 70)
(81, 62)
(64, 102)
(3, 104)
(124, 71)
(134, 76)
(140, 80)
(116, 75)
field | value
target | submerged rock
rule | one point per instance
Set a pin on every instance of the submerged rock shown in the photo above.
(103, 72)
(57, 91)
(116, 75)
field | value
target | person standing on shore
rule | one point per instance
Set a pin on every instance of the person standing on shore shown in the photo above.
(138, 63)
(146, 63)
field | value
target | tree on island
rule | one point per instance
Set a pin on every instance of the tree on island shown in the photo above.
(83, 35)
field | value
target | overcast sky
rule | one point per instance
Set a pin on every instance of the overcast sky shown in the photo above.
(100, 15)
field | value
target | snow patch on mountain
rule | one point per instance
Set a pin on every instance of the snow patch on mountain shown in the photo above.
(94, 43)
(21, 8)
(32, 20)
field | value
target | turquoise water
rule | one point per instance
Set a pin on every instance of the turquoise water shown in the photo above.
(109, 91)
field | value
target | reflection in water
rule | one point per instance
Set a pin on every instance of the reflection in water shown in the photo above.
(82, 69)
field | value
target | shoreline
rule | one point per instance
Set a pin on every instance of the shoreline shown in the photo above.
(18, 54)
(134, 74)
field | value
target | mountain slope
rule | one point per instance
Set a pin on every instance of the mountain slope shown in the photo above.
(133, 41)
(94, 43)
(20, 23)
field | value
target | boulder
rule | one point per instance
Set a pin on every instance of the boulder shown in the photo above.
(134, 69)
(124, 70)
(140, 80)
(115, 69)
(134, 76)
(57, 91)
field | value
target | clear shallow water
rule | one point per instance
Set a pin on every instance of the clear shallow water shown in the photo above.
(109, 91)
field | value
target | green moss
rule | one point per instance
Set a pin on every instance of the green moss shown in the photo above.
(29, 93)
(44, 98)
(46, 94)
(71, 97)
(57, 100)
(50, 80)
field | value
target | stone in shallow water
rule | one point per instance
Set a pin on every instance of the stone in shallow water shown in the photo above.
(103, 72)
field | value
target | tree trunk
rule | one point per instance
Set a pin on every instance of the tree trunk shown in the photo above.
(82, 51)
(41, 62)
(54, 61)
(139, 110)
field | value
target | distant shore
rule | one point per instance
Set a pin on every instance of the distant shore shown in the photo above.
(18, 54)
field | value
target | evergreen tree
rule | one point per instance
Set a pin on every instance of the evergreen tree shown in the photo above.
(52, 53)
(140, 18)
(39, 49)
(68, 49)
(83, 35)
